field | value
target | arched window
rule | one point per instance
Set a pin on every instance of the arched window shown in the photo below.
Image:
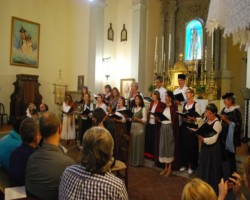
(194, 39)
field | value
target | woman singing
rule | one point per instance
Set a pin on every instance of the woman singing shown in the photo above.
(168, 129)
(210, 169)
(231, 127)
(189, 142)
(100, 103)
(107, 95)
(153, 127)
(136, 156)
(85, 118)
(68, 125)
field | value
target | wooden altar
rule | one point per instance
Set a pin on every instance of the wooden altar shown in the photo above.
(26, 90)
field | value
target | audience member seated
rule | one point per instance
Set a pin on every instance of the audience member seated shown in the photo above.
(9, 143)
(92, 179)
(30, 135)
(31, 106)
(197, 189)
(236, 180)
(46, 165)
(43, 108)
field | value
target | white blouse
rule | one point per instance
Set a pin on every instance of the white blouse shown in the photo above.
(167, 114)
(217, 127)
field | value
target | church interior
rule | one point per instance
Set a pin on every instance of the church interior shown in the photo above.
(93, 43)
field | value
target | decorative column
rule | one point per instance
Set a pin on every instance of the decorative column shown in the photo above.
(96, 44)
(171, 27)
(226, 75)
(138, 55)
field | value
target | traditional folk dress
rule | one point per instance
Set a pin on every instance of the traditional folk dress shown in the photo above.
(189, 142)
(228, 158)
(136, 156)
(167, 135)
(152, 132)
(68, 125)
(210, 168)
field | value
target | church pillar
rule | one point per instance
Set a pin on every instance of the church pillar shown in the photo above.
(138, 55)
(171, 30)
(226, 75)
(96, 45)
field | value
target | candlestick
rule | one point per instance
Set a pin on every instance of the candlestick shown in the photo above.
(162, 47)
(156, 41)
(169, 47)
(212, 48)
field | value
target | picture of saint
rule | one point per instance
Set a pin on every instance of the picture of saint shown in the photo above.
(193, 47)
(25, 42)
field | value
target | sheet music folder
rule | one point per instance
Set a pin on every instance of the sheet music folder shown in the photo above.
(160, 115)
(190, 114)
(205, 131)
(179, 97)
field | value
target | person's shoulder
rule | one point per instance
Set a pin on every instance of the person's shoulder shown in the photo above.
(111, 179)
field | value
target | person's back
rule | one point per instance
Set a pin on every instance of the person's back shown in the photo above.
(91, 179)
(19, 157)
(9, 143)
(46, 165)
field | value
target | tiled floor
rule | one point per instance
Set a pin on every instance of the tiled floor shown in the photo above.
(147, 184)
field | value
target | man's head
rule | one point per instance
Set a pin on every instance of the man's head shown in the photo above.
(181, 80)
(97, 150)
(158, 81)
(49, 125)
(29, 131)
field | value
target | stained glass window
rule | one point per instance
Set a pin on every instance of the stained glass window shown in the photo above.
(193, 47)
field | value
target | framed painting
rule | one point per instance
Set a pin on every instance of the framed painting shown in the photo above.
(80, 82)
(125, 87)
(24, 49)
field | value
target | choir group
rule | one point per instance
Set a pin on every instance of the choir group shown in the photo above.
(166, 128)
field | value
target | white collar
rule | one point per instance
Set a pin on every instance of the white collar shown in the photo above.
(232, 108)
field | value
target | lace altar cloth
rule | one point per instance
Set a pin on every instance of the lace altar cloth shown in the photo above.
(233, 16)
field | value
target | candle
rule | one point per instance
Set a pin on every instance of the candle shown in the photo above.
(205, 59)
(169, 47)
(156, 40)
(162, 46)
(212, 48)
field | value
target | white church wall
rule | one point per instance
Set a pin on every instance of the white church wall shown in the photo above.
(118, 12)
(63, 44)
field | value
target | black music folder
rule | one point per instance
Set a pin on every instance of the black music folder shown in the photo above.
(160, 115)
(205, 131)
(179, 97)
(86, 111)
(190, 114)
(114, 116)
(127, 113)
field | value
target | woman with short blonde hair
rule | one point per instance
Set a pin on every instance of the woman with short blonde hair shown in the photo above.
(197, 189)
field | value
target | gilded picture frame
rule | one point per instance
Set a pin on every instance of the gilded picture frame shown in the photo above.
(125, 86)
(25, 37)
(80, 82)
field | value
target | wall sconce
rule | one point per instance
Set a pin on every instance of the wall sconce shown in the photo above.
(110, 33)
(106, 60)
(124, 34)
(59, 90)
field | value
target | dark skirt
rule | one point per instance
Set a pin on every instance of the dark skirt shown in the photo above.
(189, 147)
(85, 124)
(150, 141)
(210, 168)
(152, 137)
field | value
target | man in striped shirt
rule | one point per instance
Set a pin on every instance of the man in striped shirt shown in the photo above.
(92, 179)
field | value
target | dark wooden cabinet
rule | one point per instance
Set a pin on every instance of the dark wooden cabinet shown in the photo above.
(26, 91)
